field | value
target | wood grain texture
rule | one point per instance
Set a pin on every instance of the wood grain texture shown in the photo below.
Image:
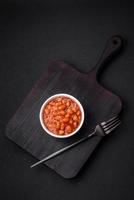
(99, 105)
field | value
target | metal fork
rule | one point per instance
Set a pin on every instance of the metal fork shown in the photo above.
(101, 130)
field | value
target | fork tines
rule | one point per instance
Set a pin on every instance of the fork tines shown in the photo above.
(110, 125)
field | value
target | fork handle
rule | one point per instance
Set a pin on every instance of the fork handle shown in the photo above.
(112, 48)
(63, 149)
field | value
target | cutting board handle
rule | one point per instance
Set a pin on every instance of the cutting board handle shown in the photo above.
(112, 48)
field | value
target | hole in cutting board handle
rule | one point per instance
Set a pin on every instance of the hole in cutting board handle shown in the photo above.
(117, 41)
(112, 48)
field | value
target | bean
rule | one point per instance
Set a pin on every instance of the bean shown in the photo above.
(54, 120)
(59, 103)
(50, 125)
(74, 109)
(75, 105)
(61, 132)
(70, 121)
(66, 119)
(63, 100)
(54, 130)
(59, 108)
(57, 125)
(68, 129)
(67, 115)
(54, 108)
(59, 99)
(56, 104)
(68, 103)
(49, 107)
(46, 120)
(63, 107)
(79, 117)
(52, 103)
(54, 114)
(75, 124)
(62, 112)
(75, 118)
(62, 127)
(46, 111)
(58, 117)
(69, 111)
(78, 113)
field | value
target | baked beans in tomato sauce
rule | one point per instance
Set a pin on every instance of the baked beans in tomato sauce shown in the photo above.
(62, 115)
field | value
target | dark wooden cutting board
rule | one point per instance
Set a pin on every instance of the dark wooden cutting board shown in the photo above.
(99, 104)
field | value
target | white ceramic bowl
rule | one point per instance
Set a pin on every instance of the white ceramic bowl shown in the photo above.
(46, 102)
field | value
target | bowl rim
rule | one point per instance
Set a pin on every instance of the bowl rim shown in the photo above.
(49, 99)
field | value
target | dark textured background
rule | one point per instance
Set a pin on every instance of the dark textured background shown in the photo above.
(35, 32)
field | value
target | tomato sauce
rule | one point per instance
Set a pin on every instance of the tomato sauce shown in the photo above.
(62, 115)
